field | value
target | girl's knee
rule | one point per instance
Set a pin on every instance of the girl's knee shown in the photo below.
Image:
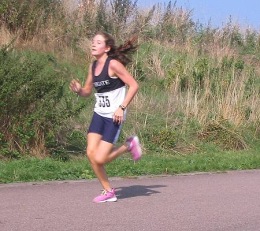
(99, 160)
(90, 153)
(94, 158)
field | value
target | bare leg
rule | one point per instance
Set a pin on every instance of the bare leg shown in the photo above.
(116, 152)
(99, 153)
(101, 175)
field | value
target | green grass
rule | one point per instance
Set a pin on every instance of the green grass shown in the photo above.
(32, 169)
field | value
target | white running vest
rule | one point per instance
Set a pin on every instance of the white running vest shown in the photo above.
(110, 91)
(108, 102)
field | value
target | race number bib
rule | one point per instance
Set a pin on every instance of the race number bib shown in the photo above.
(103, 101)
(108, 102)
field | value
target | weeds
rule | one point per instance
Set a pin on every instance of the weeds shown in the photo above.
(189, 74)
(32, 169)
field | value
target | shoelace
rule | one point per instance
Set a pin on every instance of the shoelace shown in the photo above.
(104, 192)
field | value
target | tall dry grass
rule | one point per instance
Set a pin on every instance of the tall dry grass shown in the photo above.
(226, 96)
(180, 65)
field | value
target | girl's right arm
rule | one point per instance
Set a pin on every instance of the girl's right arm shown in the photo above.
(86, 90)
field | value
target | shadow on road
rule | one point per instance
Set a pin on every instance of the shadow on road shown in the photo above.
(137, 190)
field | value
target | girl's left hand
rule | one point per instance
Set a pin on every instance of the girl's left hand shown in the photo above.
(118, 116)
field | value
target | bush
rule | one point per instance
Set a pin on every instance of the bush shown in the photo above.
(223, 135)
(160, 139)
(34, 104)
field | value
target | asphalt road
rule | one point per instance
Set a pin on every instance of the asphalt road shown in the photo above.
(207, 202)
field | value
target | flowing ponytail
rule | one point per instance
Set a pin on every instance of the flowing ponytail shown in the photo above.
(123, 52)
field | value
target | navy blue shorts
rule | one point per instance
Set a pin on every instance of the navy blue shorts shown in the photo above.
(106, 127)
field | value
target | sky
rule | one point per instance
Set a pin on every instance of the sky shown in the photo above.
(245, 13)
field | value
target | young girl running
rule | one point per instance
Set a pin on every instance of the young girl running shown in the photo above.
(108, 75)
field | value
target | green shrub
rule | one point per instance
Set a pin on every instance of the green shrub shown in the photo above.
(223, 135)
(34, 103)
(160, 139)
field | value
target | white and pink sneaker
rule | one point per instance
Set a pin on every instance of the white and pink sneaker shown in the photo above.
(106, 196)
(134, 147)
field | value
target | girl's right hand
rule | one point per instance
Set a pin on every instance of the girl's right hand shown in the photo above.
(75, 86)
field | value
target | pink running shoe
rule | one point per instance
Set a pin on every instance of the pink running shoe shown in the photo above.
(106, 196)
(134, 147)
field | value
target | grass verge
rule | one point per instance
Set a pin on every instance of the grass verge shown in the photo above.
(33, 169)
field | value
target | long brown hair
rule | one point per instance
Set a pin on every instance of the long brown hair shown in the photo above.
(123, 52)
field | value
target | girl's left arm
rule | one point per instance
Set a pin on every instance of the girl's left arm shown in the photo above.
(119, 70)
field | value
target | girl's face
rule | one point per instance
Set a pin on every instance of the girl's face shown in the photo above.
(98, 46)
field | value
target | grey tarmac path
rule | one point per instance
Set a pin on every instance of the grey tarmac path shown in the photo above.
(208, 202)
